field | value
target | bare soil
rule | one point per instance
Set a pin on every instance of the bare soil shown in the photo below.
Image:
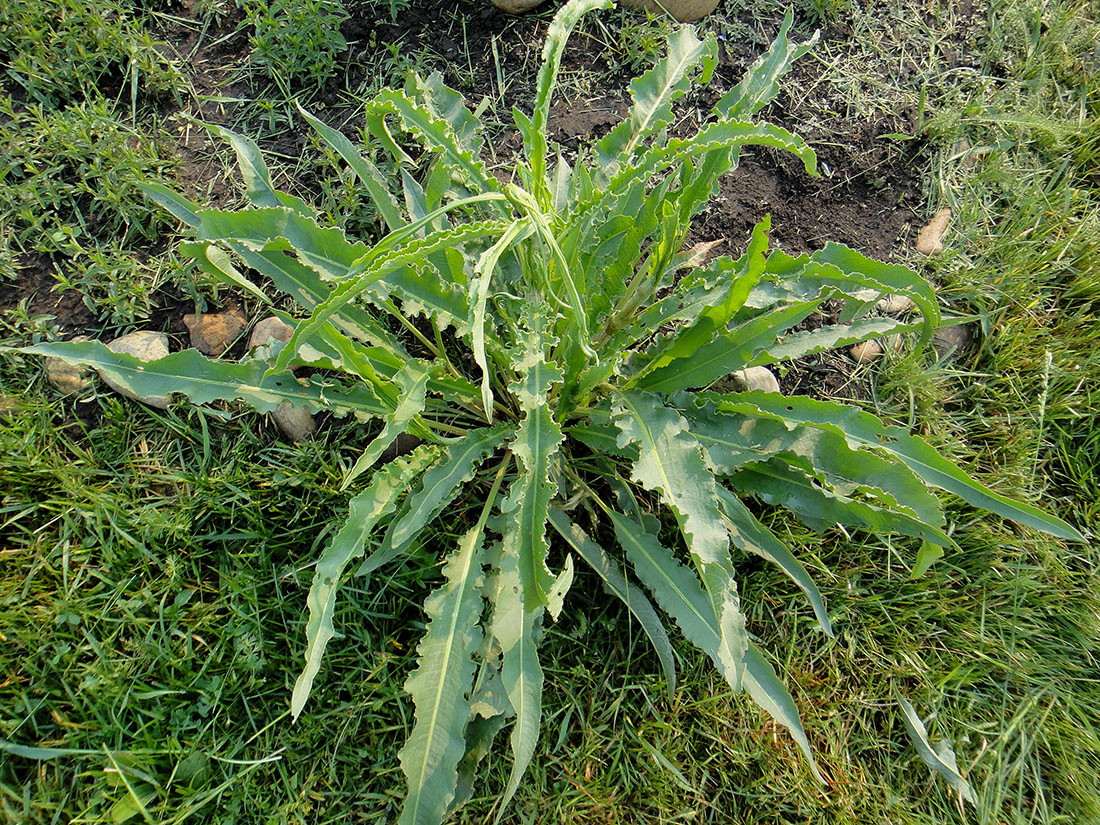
(867, 196)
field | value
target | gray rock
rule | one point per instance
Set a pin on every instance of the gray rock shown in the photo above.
(144, 345)
(213, 332)
(755, 378)
(296, 424)
(66, 378)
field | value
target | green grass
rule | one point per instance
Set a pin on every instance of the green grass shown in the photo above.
(153, 565)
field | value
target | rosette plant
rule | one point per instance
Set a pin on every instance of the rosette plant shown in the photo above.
(552, 344)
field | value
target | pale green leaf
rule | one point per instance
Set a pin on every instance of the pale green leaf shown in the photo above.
(203, 380)
(170, 201)
(328, 251)
(747, 533)
(257, 179)
(680, 595)
(556, 36)
(761, 82)
(939, 758)
(671, 464)
(820, 507)
(727, 351)
(654, 92)
(536, 446)
(772, 695)
(412, 381)
(215, 262)
(440, 683)
(618, 585)
(863, 430)
(733, 440)
(443, 482)
(366, 171)
(365, 511)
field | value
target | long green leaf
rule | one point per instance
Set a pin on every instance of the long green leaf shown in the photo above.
(204, 380)
(479, 297)
(680, 595)
(776, 482)
(535, 135)
(865, 430)
(257, 179)
(365, 511)
(366, 171)
(442, 483)
(727, 351)
(748, 534)
(761, 82)
(514, 627)
(671, 464)
(412, 381)
(440, 684)
(772, 695)
(618, 585)
(410, 254)
(939, 757)
(536, 446)
(733, 440)
(328, 250)
(436, 133)
(654, 92)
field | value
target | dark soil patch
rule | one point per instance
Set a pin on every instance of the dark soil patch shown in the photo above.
(866, 196)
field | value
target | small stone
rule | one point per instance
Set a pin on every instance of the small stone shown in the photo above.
(947, 341)
(686, 11)
(755, 378)
(296, 424)
(213, 332)
(269, 329)
(866, 352)
(144, 345)
(516, 6)
(895, 305)
(930, 238)
(66, 378)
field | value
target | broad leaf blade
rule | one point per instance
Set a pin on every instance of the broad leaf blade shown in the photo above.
(439, 686)
(365, 511)
(750, 535)
(940, 758)
(618, 584)
(653, 93)
(366, 171)
(412, 381)
(865, 430)
(727, 351)
(761, 81)
(536, 446)
(204, 380)
(670, 463)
